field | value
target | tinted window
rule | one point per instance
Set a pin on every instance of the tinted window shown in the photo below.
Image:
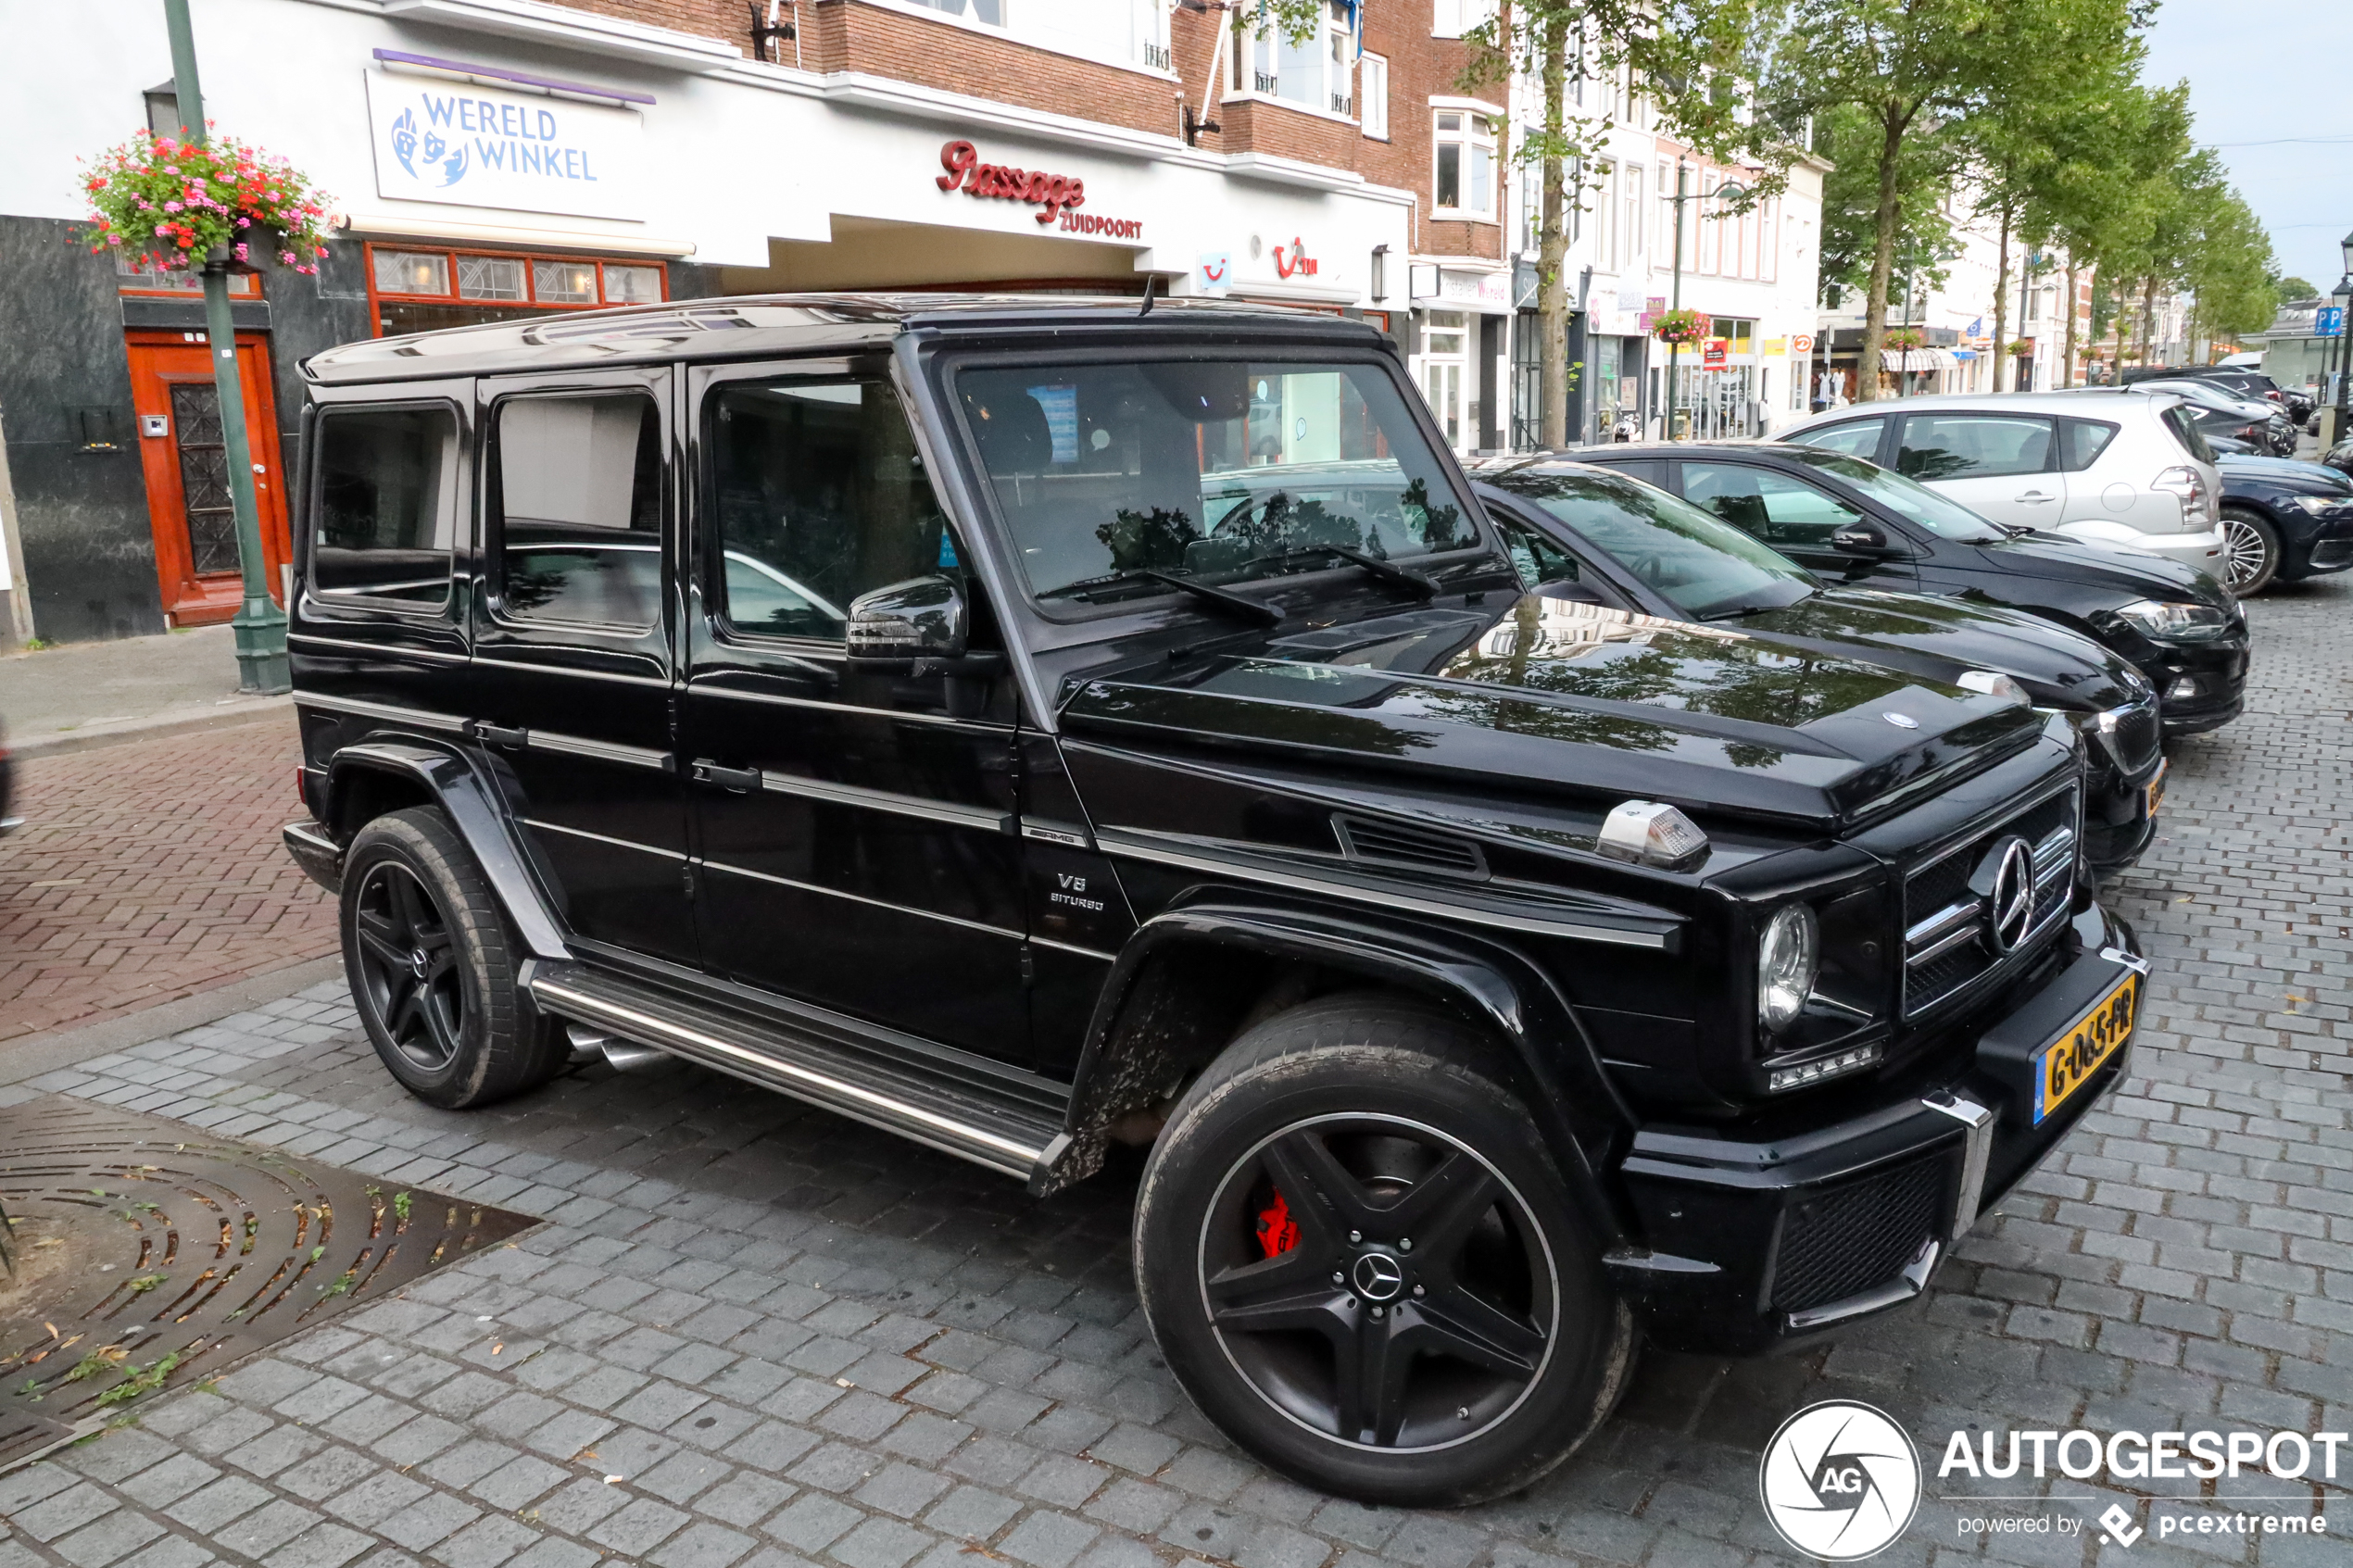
(818, 497)
(1973, 446)
(2082, 442)
(1857, 438)
(1536, 558)
(388, 506)
(579, 494)
(1702, 565)
(1773, 507)
(2186, 433)
(1222, 470)
(1938, 513)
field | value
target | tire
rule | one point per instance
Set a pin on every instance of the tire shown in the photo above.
(1265, 1309)
(2250, 551)
(432, 966)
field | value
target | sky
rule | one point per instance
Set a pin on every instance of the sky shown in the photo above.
(2264, 71)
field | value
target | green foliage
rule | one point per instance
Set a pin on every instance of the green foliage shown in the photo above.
(2293, 287)
(1848, 138)
(173, 203)
(143, 1380)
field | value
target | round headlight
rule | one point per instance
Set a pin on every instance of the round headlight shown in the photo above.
(1786, 960)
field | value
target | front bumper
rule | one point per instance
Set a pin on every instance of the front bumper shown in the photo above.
(2200, 686)
(2326, 548)
(1753, 1246)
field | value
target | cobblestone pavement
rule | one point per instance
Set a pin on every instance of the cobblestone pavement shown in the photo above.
(150, 869)
(752, 1336)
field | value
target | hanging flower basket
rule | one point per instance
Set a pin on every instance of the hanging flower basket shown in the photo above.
(2019, 347)
(1905, 338)
(176, 205)
(1681, 326)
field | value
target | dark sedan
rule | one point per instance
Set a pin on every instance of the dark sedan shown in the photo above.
(1855, 523)
(1583, 533)
(2283, 521)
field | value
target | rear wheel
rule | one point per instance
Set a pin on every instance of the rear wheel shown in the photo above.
(1362, 1266)
(2250, 550)
(432, 966)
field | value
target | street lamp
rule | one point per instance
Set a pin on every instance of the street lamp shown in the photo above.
(2342, 294)
(1731, 190)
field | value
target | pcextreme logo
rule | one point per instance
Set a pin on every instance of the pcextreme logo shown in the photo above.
(1839, 1481)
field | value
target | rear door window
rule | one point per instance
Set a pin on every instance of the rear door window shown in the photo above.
(1973, 446)
(2082, 442)
(578, 501)
(386, 515)
(1768, 506)
(1856, 438)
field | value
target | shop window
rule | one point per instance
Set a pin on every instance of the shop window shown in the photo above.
(490, 276)
(578, 501)
(632, 285)
(564, 282)
(1465, 162)
(387, 510)
(1372, 96)
(411, 271)
(818, 495)
(419, 289)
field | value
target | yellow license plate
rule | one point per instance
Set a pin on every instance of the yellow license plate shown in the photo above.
(2068, 1062)
(2155, 786)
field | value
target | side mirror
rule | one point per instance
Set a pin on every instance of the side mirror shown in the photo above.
(1862, 539)
(1568, 588)
(921, 618)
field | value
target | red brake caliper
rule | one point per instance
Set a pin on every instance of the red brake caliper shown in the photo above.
(1278, 1232)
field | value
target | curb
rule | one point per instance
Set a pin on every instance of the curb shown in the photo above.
(184, 723)
(29, 1056)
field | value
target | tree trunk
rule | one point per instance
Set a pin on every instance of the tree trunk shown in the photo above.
(2002, 305)
(2148, 318)
(1551, 247)
(2066, 353)
(1889, 216)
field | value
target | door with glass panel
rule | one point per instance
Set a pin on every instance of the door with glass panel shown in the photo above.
(185, 457)
(1445, 359)
(853, 825)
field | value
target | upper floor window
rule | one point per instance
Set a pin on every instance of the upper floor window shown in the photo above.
(1372, 94)
(1452, 19)
(1313, 72)
(1465, 162)
(989, 11)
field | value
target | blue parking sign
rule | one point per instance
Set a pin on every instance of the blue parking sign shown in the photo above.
(2331, 323)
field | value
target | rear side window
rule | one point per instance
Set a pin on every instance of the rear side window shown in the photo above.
(1856, 438)
(819, 497)
(2183, 424)
(579, 509)
(2082, 442)
(387, 511)
(1973, 446)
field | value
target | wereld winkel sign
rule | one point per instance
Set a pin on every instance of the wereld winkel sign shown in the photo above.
(480, 146)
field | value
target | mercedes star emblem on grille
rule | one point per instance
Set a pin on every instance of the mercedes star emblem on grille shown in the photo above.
(2007, 875)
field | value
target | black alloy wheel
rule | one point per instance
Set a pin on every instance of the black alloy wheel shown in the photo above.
(1379, 1282)
(408, 976)
(2250, 551)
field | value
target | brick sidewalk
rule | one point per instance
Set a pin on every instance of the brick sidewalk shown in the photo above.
(151, 870)
(751, 1334)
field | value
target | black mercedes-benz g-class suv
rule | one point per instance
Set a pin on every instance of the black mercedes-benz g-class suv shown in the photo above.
(1024, 724)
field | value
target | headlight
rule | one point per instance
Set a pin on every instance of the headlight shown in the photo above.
(2176, 622)
(1786, 960)
(2317, 505)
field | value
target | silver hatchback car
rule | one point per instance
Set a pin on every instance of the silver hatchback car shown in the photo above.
(2131, 472)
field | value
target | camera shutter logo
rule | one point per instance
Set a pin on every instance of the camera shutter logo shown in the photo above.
(1839, 1481)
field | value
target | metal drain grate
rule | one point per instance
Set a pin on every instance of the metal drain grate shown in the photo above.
(149, 1254)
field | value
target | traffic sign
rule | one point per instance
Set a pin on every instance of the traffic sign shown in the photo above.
(2331, 323)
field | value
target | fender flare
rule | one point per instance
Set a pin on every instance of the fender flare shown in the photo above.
(1580, 1113)
(472, 808)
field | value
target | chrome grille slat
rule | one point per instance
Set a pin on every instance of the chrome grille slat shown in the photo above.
(1945, 950)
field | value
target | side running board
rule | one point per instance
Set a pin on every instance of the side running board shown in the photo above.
(971, 1111)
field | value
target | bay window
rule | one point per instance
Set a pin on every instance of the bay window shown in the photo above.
(1313, 73)
(1465, 162)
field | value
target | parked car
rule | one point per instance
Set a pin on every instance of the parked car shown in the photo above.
(1632, 551)
(2254, 420)
(2132, 470)
(1855, 523)
(2284, 520)
(1492, 993)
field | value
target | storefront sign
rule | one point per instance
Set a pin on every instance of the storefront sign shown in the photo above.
(1054, 196)
(482, 146)
(1213, 272)
(1714, 355)
(1294, 263)
(1803, 343)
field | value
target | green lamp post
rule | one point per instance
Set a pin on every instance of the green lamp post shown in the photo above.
(259, 624)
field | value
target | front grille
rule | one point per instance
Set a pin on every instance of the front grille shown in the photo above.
(1857, 1237)
(1945, 931)
(2333, 552)
(2132, 736)
(1387, 844)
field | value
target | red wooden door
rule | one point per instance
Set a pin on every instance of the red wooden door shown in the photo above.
(187, 468)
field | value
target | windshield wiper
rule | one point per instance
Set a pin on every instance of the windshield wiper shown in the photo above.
(1236, 605)
(1387, 571)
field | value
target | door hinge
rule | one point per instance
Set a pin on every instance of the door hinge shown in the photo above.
(686, 878)
(1029, 965)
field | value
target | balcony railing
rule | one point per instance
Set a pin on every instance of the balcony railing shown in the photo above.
(1157, 57)
(1263, 81)
(1342, 103)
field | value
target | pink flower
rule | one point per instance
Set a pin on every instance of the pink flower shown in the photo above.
(286, 256)
(241, 252)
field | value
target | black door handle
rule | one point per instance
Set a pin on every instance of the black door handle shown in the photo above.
(740, 781)
(498, 734)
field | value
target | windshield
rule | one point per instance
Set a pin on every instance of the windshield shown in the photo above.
(1220, 471)
(1939, 514)
(1701, 564)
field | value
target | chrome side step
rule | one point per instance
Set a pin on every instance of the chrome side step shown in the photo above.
(998, 1128)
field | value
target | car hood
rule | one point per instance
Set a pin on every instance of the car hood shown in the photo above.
(2134, 574)
(2283, 473)
(1942, 638)
(1547, 697)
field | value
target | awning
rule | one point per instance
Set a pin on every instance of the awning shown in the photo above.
(1919, 360)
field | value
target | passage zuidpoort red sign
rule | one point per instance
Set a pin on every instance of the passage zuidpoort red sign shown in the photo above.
(1057, 197)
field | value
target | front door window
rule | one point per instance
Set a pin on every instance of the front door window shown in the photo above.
(206, 510)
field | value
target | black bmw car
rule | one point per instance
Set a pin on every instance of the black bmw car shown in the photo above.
(1856, 524)
(2284, 520)
(1585, 535)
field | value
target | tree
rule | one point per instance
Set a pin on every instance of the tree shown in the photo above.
(1693, 56)
(2294, 288)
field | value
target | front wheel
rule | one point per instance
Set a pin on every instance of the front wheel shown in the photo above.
(1362, 1266)
(2250, 551)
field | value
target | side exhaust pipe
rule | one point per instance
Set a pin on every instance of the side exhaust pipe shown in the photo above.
(623, 1055)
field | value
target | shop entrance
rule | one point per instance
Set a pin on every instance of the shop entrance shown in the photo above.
(185, 460)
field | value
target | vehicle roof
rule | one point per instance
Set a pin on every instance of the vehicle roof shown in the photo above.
(1991, 402)
(752, 326)
(1601, 453)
